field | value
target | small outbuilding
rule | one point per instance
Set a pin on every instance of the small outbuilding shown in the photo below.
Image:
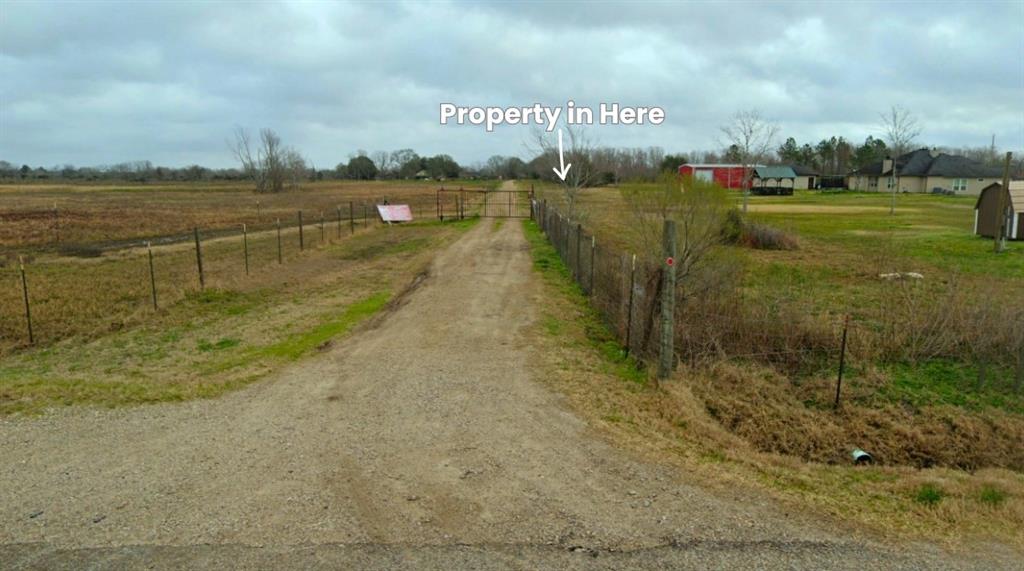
(806, 177)
(985, 209)
(773, 180)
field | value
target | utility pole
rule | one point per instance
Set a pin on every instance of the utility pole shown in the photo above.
(1004, 192)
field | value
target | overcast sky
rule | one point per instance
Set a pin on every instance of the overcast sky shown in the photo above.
(91, 83)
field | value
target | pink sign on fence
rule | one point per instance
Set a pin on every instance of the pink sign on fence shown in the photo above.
(394, 212)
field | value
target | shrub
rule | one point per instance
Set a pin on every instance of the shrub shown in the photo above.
(763, 237)
(992, 495)
(929, 495)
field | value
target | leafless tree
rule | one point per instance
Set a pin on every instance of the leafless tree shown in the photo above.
(295, 168)
(700, 214)
(901, 129)
(578, 151)
(383, 161)
(752, 138)
(264, 162)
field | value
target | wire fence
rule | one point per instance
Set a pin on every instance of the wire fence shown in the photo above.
(71, 229)
(626, 291)
(46, 299)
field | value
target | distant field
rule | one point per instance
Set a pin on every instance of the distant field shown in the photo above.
(847, 239)
(105, 214)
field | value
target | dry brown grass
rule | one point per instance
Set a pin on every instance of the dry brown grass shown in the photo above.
(672, 424)
(104, 213)
(202, 344)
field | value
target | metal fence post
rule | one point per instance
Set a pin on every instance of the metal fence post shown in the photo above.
(279, 241)
(245, 247)
(152, 274)
(666, 358)
(593, 249)
(842, 360)
(199, 259)
(28, 311)
(302, 238)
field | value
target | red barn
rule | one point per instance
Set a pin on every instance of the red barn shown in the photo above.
(726, 176)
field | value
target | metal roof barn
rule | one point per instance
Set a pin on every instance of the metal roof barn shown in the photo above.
(725, 175)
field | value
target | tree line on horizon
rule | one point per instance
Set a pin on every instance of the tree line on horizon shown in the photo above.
(286, 168)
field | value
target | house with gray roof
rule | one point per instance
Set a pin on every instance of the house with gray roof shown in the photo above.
(925, 171)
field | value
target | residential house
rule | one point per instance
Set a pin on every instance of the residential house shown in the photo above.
(925, 171)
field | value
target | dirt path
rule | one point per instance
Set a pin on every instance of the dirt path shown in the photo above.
(424, 441)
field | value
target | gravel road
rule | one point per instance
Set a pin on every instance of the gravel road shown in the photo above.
(423, 440)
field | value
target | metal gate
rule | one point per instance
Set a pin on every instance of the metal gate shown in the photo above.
(456, 204)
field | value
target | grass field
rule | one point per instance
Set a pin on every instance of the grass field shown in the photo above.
(99, 340)
(91, 216)
(671, 423)
(954, 403)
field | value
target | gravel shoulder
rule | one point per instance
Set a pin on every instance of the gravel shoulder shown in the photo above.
(424, 440)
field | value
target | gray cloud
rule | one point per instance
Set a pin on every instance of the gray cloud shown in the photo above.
(93, 83)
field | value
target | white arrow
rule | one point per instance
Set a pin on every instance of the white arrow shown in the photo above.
(561, 160)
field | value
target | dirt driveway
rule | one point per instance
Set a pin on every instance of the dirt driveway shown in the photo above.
(424, 441)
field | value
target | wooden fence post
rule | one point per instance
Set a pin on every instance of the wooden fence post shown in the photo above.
(199, 259)
(364, 215)
(842, 360)
(259, 211)
(629, 308)
(245, 247)
(302, 239)
(152, 274)
(351, 218)
(666, 359)
(1004, 194)
(279, 241)
(24, 291)
(579, 265)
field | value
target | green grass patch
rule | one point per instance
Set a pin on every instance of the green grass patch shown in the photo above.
(991, 496)
(942, 382)
(547, 263)
(226, 343)
(299, 344)
(929, 494)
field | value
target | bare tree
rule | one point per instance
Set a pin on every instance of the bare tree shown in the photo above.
(264, 162)
(699, 211)
(295, 167)
(751, 138)
(578, 151)
(383, 161)
(901, 129)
